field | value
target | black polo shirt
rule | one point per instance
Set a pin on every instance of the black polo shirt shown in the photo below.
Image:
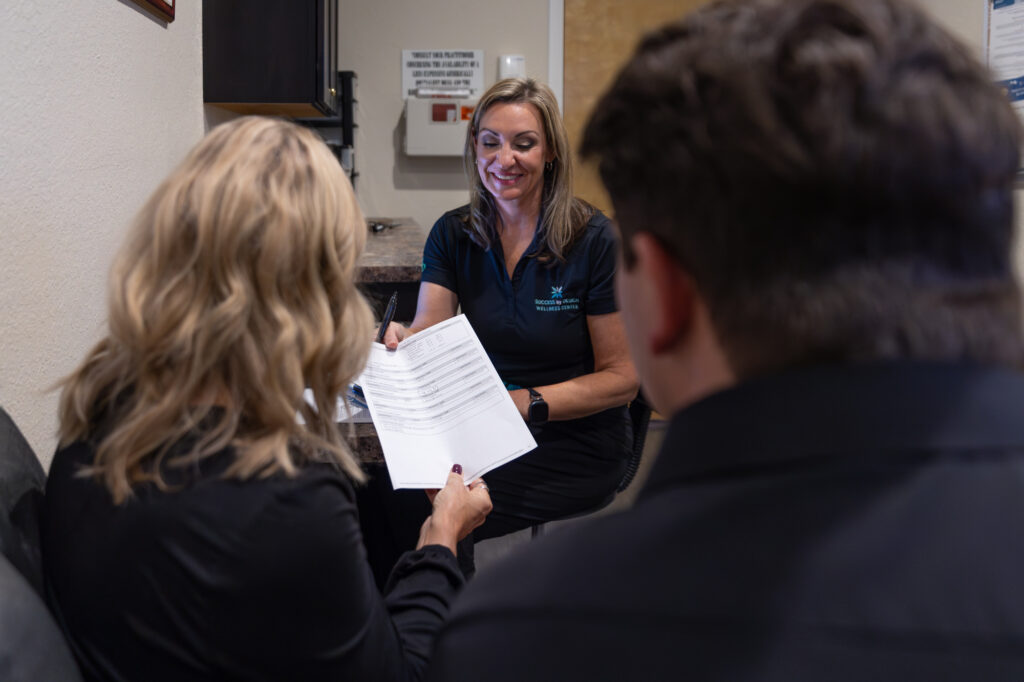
(534, 325)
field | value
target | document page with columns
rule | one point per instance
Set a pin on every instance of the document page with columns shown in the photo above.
(437, 401)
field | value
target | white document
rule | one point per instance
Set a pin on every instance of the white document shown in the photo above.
(437, 401)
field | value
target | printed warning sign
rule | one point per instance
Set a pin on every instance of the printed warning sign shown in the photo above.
(443, 70)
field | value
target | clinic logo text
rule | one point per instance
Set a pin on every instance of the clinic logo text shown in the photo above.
(557, 302)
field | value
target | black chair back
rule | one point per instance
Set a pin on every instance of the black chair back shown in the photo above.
(640, 415)
(22, 482)
(20, 470)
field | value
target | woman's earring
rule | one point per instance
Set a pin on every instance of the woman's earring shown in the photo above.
(549, 165)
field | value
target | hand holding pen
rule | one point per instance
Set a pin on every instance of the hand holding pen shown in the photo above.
(395, 334)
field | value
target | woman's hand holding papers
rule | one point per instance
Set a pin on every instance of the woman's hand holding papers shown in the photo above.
(458, 509)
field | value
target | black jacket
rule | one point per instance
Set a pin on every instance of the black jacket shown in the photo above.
(828, 524)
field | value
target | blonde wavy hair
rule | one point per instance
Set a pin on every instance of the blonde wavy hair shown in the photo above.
(234, 289)
(563, 216)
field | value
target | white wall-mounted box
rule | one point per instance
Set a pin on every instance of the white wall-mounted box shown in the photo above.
(436, 126)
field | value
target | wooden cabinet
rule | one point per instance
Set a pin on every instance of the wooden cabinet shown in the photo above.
(271, 56)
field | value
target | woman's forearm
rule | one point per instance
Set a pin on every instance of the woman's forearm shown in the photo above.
(612, 383)
(583, 395)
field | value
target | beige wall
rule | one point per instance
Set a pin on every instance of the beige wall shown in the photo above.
(100, 101)
(371, 38)
(964, 18)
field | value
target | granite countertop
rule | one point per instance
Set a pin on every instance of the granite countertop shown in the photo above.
(394, 254)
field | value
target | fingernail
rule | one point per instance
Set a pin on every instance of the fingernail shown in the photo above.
(456, 468)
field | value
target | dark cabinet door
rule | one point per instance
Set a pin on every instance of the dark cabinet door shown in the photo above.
(271, 56)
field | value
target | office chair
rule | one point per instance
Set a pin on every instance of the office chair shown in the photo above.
(22, 482)
(640, 416)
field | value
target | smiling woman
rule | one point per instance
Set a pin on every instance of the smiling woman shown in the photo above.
(532, 267)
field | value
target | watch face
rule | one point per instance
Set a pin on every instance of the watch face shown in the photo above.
(538, 412)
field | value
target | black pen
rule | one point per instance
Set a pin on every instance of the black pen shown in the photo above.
(389, 313)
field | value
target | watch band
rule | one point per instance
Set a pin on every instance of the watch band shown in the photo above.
(537, 412)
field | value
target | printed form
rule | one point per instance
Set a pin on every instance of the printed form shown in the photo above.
(437, 401)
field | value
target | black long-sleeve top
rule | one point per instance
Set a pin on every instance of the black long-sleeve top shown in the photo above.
(263, 579)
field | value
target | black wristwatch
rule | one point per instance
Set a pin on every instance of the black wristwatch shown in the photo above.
(537, 413)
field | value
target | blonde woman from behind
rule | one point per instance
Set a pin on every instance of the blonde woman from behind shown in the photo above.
(194, 529)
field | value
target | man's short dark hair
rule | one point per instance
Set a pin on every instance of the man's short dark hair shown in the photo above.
(836, 175)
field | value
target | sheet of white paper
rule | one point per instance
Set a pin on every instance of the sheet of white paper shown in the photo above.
(438, 401)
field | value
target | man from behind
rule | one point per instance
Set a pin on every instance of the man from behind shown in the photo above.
(815, 206)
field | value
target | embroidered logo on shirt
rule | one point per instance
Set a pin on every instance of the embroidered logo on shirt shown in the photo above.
(557, 302)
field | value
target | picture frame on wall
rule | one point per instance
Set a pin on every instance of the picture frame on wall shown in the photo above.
(161, 8)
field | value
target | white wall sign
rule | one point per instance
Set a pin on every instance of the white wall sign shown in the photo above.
(442, 70)
(1005, 48)
(1004, 52)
